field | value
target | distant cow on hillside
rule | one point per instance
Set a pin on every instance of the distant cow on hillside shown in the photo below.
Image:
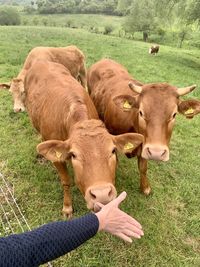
(154, 49)
(71, 57)
(126, 105)
(62, 111)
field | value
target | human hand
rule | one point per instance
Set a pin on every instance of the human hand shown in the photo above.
(116, 222)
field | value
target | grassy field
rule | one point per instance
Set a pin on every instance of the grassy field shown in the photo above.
(170, 216)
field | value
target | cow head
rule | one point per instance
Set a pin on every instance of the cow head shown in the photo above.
(93, 154)
(17, 91)
(157, 106)
(16, 87)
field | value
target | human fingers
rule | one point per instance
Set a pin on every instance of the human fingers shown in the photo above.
(119, 199)
(133, 228)
(98, 206)
(124, 237)
(131, 220)
(132, 233)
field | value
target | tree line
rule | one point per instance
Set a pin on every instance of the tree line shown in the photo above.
(108, 7)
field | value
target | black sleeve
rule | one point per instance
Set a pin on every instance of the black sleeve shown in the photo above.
(47, 242)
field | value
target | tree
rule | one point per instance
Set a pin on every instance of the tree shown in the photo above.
(193, 13)
(123, 6)
(142, 18)
(9, 16)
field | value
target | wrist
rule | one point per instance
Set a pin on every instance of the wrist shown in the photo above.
(100, 219)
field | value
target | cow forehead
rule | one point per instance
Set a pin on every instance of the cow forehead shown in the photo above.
(162, 96)
(91, 136)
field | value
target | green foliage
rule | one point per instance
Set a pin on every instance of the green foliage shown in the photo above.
(35, 21)
(194, 11)
(123, 6)
(29, 9)
(9, 16)
(76, 6)
(141, 18)
(108, 29)
(45, 21)
(68, 23)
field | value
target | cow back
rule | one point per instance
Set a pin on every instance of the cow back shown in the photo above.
(55, 100)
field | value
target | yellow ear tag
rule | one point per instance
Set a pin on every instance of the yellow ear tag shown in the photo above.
(58, 154)
(189, 111)
(128, 146)
(127, 105)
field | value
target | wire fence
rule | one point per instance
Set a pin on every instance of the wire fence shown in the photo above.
(12, 219)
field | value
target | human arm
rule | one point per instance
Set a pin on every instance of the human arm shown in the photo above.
(46, 242)
(55, 239)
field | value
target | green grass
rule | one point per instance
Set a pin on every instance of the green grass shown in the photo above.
(81, 21)
(170, 216)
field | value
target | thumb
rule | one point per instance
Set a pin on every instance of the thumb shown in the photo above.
(98, 206)
(120, 198)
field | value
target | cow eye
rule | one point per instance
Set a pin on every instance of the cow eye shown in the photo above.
(174, 115)
(73, 156)
(141, 114)
(114, 151)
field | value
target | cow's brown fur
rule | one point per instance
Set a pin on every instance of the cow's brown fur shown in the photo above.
(151, 113)
(61, 110)
(154, 49)
(71, 57)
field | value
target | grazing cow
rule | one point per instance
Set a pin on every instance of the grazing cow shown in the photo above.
(71, 57)
(154, 49)
(62, 111)
(125, 105)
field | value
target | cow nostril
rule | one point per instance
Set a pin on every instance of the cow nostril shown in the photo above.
(110, 193)
(164, 152)
(93, 195)
(17, 110)
(149, 152)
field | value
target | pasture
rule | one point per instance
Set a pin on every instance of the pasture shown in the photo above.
(170, 215)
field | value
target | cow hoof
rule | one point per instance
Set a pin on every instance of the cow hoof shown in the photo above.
(67, 212)
(147, 191)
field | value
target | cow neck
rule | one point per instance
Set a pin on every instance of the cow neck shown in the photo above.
(77, 115)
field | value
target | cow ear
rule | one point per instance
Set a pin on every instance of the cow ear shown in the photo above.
(127, 143)
(189, 108)
(54, 150)
(125, 102)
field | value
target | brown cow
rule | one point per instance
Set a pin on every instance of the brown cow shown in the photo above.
(62, 111)
(71, 57)
(153, 50)
(125, 105)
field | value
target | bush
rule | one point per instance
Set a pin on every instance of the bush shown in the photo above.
(68, 23)
(108, 29)
(44, 21)
(35, 21)
(9, 16)
(29, 9)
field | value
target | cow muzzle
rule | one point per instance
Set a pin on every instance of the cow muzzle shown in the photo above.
(19, 108)
(153, 152)
(100, 193)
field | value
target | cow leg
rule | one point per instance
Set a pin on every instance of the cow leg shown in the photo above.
(65, 181)
(144, 183)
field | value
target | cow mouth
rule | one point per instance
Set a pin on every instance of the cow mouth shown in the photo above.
(99, 193)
